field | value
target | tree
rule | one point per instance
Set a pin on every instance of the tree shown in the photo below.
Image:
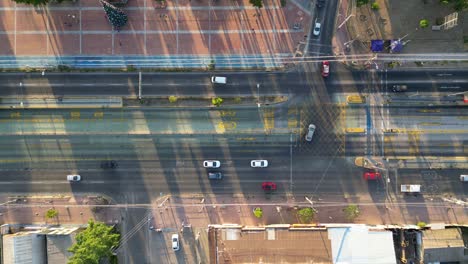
(217, 101)
(51, 213)
(375, 6)
(352, 211)
(306, 214)
(93, 244)
(423, 23)
(116, 16)
(258, 212)
(257, 3)
(173, 99)
(362, 2)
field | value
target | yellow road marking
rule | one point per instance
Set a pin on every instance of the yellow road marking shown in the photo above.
(429, 124)
(355, 130)
(355, 99)
(15, 115)
(75, 114)
(98, 114)
(292, 123)
(227, 113)
(269, 119)
(429, 110)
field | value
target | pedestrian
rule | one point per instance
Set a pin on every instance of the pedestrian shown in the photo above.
(120, 43)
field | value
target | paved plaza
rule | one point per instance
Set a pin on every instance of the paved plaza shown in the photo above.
(181, 27)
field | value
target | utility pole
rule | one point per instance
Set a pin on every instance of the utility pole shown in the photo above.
(139, 85)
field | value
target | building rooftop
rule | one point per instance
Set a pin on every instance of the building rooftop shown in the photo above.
(273, 245)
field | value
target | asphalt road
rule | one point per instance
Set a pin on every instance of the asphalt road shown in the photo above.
(18, 85)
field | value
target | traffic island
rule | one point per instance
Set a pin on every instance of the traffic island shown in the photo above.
(203, 102)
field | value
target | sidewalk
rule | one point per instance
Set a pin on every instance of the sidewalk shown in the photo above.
(75, 210)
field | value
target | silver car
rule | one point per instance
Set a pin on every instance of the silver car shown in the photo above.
(317, 28)
(310, 133)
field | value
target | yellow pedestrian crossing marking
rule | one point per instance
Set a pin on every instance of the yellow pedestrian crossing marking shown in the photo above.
(75, 115)
(98, 114)
(15, 115)
(268, 118)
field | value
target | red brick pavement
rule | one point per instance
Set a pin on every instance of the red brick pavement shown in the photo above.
(183, 27)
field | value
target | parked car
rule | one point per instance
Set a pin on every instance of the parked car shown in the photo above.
(74, 178)
(211, 164)
(325, 68)
(175, 242)
(372, 175)
(259, 163)
(317, 28)
(215, 175)
(310, 132)
(269, 186)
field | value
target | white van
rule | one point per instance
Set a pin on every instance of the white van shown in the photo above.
(464, 178)
(218, 80)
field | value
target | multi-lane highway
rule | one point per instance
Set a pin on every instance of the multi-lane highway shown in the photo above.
(161, 150)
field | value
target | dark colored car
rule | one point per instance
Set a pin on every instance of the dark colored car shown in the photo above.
(269, 186)
(109, 164)
(215, 175)
(399, 88)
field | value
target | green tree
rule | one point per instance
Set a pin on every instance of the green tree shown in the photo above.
(258, 212)
(173, 99)
(217, 101)
(257, 3)
(423, 23)
(375, 6)
(93, 244)
(362, 2)
(306, 214)
(116, 16)
(51, 213)
(352, 211)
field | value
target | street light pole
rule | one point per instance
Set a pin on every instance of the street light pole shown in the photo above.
(346, 20)
(258, 95)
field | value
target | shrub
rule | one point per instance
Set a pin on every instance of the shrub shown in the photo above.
(212, 65)
(258, 212)
(237, 100)
(362, 2)
(375, 6)
(421, 224)
(217, 101)
(439, 21)
(51, 213)
(172, 99)
(306, 214)
(423, 23)
(283, 3)
(352, 211)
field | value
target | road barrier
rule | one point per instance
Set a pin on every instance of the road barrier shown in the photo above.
(60, 103)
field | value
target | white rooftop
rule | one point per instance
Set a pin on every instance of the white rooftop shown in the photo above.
(358, 245)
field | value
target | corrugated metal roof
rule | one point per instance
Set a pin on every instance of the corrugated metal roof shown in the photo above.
(358, 244)
(450, 237)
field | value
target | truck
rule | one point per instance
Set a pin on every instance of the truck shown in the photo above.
(410, 188)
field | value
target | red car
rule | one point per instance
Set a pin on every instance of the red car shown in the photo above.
(372, 175)
(325, 68)
(269, 186)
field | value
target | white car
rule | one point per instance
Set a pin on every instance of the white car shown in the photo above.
(317, 28)
(175, 242)
(259, 163)
(211, 164)
(310, 133)
(74, 178)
